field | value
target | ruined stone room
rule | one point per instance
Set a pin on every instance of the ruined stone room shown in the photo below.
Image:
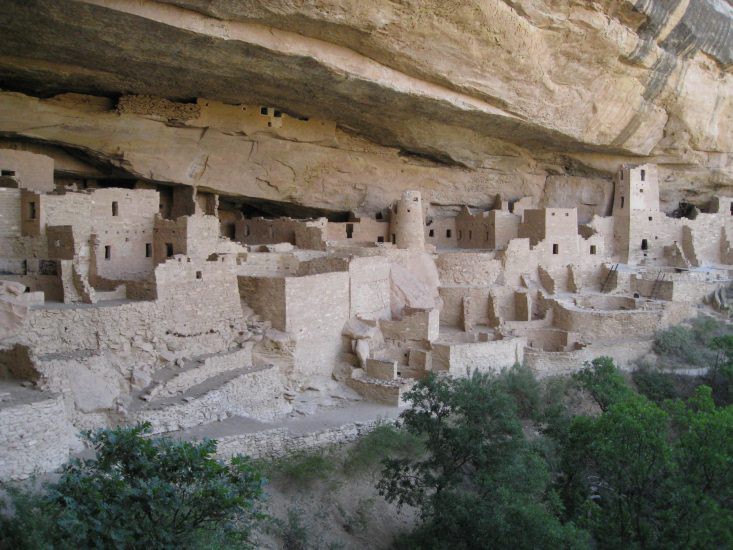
(366, 274)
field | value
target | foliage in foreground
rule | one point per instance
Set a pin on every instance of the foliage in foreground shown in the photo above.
(138, 492)
(638, 475)
(480, 484)
(644, 475)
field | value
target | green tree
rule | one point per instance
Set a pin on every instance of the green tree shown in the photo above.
(479, 484)
(642, 475)
(603, 381)
(140, 492)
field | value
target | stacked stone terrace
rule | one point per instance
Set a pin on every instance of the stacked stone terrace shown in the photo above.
(149, 303)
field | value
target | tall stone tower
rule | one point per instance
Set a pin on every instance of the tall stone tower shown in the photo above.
(408, 221)
(636, 214)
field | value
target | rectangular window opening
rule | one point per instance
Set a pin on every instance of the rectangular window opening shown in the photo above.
(115, 209)
(263, 111)
(622, 202)
(431, 233)
(199, 275)
(592, 249)
(447, 233)
(349, 230)
(107, 252)
(32, 210)
(9, 173)
(555, 249)
(644, 244)
(643, 175)
(148, 250)
(168, 250)
(470, 235)
(394, 238)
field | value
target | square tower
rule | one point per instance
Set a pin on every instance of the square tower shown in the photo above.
(636, 214)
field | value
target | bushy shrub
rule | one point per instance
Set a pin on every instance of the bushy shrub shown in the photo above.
(603, 381)
(520, 382)
(303, 468)
(690, 345)
(384, 441)
(654, 384)
(139, 492)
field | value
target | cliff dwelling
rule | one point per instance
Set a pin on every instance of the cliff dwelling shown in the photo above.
(265, 223)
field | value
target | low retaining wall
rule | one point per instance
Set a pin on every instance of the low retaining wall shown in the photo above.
(281, 441)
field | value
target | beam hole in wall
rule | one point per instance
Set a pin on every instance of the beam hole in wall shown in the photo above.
(168, 250)
(115, 209)
(592, 249)
(107, 252)
(148, 250)
(199, 275)
(644, 244)
(555, 249)
(567, 214)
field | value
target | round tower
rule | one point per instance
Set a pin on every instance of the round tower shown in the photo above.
(408, 222)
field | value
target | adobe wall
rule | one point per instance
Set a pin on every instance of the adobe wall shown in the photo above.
(364, 230)
(369, 292)
(266, 230)
(203, 322)
(600, 325)
(266, 296)
(36, 438)
(415, 324)
(35, 172)
(317, 307)
(468, 268)
(462, 358)
(442, 232)
(562, 363)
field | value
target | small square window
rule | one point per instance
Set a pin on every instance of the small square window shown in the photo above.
(380, 239)
(263, 111)
(277, 114)
(567, 214)
(651, 218)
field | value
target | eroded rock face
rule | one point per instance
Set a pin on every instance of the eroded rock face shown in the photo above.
(502, 94)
